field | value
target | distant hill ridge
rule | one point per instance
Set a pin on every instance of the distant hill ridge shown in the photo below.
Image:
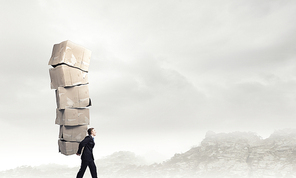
(236, 154)
(241, 154)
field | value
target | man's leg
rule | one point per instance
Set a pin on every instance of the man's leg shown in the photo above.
(93, 169)
(82, 169)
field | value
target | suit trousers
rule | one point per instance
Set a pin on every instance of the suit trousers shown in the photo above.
(92, 167)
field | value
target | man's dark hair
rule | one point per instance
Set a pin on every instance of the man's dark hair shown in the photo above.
(89, 131)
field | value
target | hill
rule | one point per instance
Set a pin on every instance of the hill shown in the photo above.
(237, 154)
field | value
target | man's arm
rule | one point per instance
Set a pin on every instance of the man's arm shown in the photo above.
(82, 144)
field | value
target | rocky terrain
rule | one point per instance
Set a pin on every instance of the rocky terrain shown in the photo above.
(237, 155)
(240, 155)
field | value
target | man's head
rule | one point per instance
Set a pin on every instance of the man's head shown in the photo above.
(92, 132)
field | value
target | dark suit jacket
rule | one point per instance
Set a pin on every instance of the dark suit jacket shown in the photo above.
(88, 144)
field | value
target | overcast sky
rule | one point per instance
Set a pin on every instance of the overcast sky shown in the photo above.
(162, 72)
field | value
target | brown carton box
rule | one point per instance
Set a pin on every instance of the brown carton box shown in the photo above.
(64, 76)
(72, 97)
(71, 54)
(72, 117)
(68, 148)
(73, 133)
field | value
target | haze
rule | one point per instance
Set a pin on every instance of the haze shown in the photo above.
(162, 73)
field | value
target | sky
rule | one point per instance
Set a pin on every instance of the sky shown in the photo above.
(162, 73)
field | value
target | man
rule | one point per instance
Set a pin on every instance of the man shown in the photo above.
(87, 158)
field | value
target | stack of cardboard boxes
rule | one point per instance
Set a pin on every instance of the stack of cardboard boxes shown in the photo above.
(69, 78)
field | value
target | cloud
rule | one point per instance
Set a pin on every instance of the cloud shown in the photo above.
(164, 71)
(144, 96)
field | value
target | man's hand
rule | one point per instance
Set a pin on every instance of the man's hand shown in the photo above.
(77, 154)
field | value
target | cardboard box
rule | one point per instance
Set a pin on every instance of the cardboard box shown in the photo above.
(65, 76)
(71, 54)
(73, 133)
(68, 148)
(72, 117)
(73, 97)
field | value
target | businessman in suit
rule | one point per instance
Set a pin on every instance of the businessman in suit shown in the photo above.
(87, 158)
